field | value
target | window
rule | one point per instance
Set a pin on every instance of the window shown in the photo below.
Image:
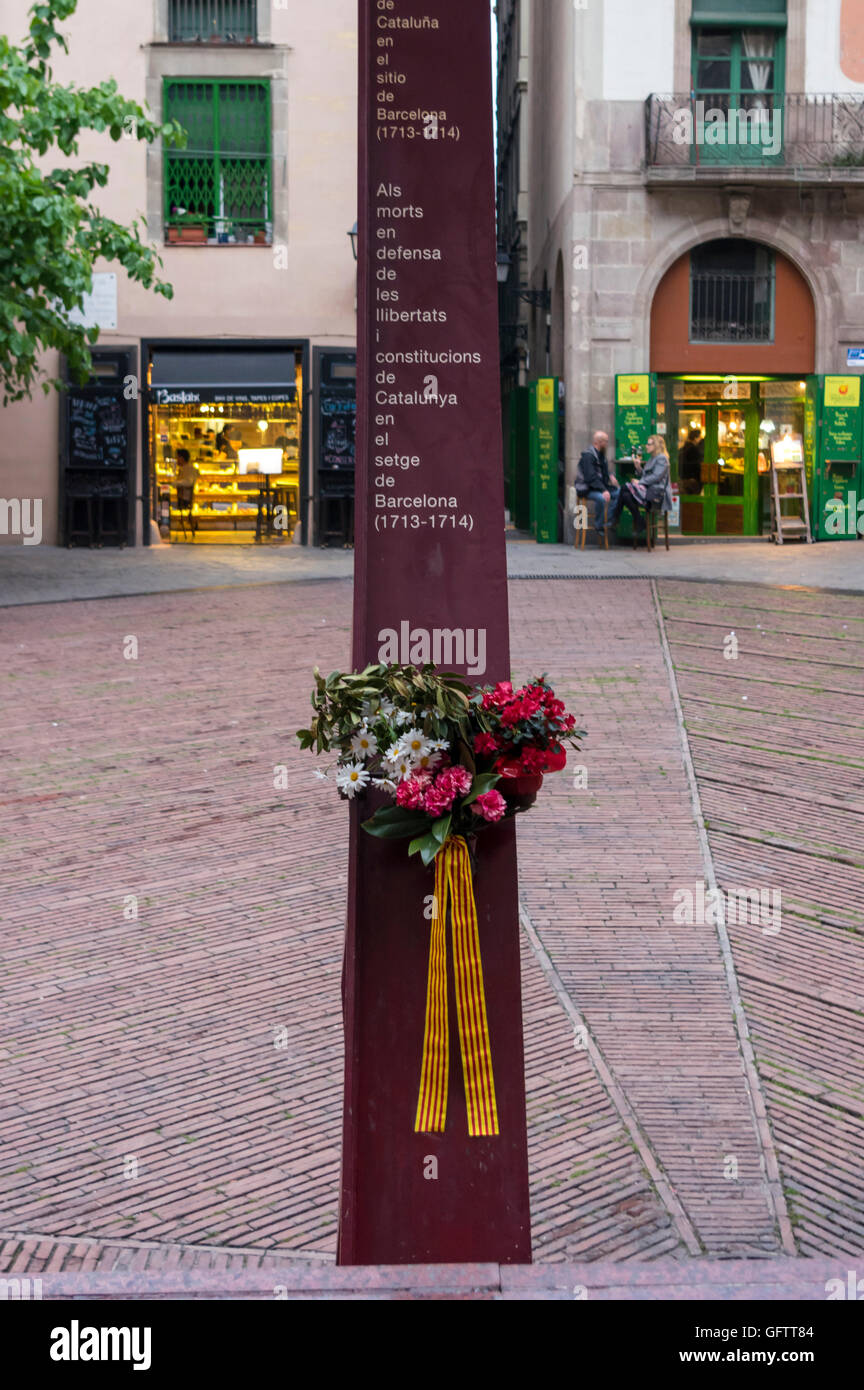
(738, 72)
(739, 64)
(731, 292)
(213, 21)
(219, 188)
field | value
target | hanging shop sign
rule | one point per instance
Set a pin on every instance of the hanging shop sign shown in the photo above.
(544, 460)
(634, 412)
(841, 417)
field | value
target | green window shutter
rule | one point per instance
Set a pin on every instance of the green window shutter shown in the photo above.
(244, 143)
(223, 176)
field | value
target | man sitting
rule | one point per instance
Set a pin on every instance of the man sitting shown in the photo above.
(596, 482)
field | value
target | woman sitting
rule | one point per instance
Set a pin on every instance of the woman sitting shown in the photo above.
(650, 489)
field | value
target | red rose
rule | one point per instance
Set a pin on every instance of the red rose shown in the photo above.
(533, 761)
(556, 758)
(509, 767)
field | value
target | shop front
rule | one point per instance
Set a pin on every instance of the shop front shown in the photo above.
(225, 441)
(731, 439)
(731, 385)
(720, 433)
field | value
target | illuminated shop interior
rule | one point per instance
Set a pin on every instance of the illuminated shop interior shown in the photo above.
(244, 481)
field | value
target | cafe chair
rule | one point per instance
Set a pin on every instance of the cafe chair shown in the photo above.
(580, 499)
(652, 527)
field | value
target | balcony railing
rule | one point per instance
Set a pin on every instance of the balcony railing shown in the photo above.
(731, 307)
(794, 131)
(213, 21)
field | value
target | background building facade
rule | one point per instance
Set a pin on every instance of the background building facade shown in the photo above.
(251, 221)
(692, 187)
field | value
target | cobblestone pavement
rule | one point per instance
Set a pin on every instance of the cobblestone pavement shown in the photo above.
(173, 1080)
(777, 737)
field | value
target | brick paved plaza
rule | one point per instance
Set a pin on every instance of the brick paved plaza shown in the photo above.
(173, 1082)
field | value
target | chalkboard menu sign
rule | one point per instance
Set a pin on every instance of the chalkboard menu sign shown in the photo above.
(97, 429)
(98, 453)
(338, 421)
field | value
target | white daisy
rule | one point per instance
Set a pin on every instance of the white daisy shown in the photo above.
(364, 744)
(322, 776)
(393, 754)
(371, 709)
(402, 717)
(387, 708)
(440, 745)
(414, 745)
(385, 783)
(403, 767)
(352, 779)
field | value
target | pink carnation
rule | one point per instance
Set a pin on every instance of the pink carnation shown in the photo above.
(491, 806)
(458, 777)
(450, 783)
(410, 793)
(438, 801)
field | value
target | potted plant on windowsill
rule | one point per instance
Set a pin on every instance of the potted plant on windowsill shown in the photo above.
(187, 228)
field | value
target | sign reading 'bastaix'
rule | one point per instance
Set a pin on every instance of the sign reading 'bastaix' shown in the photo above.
(430, 585)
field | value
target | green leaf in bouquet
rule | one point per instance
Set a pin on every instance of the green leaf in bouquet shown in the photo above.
(482, 784)
(427, 846)
(441, 828)
(395, 823)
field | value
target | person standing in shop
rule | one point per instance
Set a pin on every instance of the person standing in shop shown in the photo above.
(224, 445)
(187, 477)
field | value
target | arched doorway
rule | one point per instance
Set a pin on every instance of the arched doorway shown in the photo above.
(733, 347)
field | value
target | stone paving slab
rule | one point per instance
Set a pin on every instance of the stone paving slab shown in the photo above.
(786, 1280)
(44, 574)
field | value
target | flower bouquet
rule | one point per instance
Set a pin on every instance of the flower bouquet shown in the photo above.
(446, 760)
(450, 758)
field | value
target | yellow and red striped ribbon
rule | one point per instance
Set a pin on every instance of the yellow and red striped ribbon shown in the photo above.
(454, 887)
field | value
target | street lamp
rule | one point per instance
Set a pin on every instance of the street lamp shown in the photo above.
(504, 263)
(353, 236)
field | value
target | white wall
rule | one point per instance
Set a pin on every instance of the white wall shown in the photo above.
(823, 70)
(638, 48)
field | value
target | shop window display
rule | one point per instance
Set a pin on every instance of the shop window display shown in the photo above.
(243, 465)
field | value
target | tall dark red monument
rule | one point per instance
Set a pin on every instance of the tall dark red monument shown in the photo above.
(430, 576)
